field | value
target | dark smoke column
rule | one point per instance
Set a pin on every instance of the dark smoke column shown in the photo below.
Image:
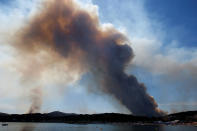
(115, 81)
(63, 30)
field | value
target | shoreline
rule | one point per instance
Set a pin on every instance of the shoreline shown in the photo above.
(182, 118)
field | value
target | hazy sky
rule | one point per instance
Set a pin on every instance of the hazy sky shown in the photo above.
(163, 37)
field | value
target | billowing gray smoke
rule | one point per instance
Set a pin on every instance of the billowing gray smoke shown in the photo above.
(63, 30)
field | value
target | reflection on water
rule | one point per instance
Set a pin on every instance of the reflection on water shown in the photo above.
(91, 127)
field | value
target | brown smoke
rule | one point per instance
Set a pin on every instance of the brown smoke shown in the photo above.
(36, 99)
(63, 30)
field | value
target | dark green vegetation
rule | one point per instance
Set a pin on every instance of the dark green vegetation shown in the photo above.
(177, 118)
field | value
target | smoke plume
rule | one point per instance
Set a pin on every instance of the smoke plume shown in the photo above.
(65, 32)
(36, 100)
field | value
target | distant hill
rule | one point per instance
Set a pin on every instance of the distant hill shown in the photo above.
(187, 113)
(183, 116)
(56, 116)
(3, 114)
(59, 114)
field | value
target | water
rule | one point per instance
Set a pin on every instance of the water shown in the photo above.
(12, 126)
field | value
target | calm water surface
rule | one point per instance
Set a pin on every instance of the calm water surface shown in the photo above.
(91, 127)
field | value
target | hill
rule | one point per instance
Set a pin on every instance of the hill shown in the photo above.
(56, 116)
